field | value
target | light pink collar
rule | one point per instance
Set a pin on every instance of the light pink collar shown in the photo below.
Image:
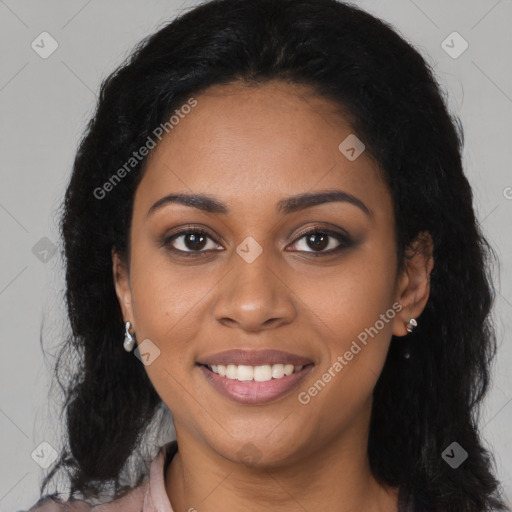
(156, 499)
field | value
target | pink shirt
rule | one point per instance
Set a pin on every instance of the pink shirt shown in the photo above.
(149, 496)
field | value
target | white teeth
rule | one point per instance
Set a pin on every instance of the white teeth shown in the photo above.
(277, 371)
(261, 373)
(245, 372)
(231, 371)
(288, 369)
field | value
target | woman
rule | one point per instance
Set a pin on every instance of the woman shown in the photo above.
(269, 206)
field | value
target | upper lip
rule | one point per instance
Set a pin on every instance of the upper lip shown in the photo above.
(254, 358)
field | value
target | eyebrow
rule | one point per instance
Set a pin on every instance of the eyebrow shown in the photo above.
(284, 206)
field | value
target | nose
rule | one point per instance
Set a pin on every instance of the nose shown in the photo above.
(253, 297)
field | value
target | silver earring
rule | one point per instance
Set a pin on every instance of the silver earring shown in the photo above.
(129, 339)
(409, 326)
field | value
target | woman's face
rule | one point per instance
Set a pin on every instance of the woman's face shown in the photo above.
(256, 282)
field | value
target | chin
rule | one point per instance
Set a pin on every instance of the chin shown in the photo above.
(262, 450)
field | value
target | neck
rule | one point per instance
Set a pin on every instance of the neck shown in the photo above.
(331, 476)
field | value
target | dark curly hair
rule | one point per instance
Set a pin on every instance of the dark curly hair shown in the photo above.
(390, 95)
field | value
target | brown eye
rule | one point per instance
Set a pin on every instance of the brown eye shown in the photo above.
(190, 241)
(194, 241)
(319, 240)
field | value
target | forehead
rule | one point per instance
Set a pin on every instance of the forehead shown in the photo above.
(254, 143)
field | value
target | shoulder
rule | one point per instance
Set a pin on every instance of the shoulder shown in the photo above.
(132, 501)
(52, 503)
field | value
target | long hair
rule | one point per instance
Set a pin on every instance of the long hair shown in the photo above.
(390, 95)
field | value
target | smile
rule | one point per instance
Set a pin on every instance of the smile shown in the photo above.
(261, 373)
(248, 389)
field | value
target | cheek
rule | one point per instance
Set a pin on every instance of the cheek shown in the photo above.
(169, 304)
(349, 297)
(166, 296)
(352, 306)
(165, 307)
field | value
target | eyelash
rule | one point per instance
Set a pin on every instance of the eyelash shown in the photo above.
(345, 241)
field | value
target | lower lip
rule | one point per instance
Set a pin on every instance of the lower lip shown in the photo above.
(252, 392)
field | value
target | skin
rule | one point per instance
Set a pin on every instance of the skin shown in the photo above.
(250, 147)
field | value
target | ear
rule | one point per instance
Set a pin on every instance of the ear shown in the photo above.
(413, 285)
(122, 286)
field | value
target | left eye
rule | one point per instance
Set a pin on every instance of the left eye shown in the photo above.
(319, 241)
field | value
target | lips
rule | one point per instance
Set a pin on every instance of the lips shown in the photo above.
(251, 391)
(254, 358)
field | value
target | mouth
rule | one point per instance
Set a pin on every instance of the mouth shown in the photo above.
(260, 373)
(254, 377)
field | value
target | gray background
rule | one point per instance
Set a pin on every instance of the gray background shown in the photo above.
(45, 104)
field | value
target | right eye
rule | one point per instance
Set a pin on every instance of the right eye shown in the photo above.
(189, 242)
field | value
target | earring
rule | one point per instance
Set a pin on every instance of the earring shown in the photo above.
(409, 326)
(129, 339)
